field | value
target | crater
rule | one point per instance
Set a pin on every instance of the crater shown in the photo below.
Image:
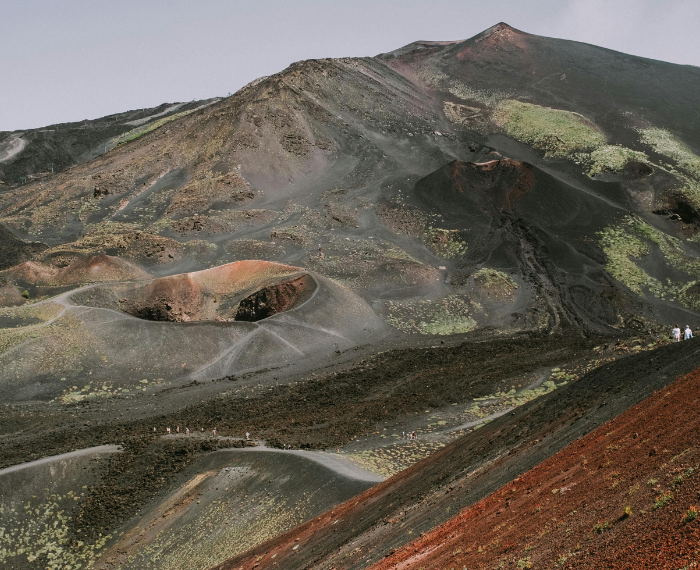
(247, 290)
(276, 298)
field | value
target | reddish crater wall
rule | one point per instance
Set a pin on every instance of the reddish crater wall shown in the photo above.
(275, 299)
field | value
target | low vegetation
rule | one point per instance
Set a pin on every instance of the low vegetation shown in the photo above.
(495, 284)
(450, 315)
(666, 143)
(626, 243)
(609, 158)
(557, 132)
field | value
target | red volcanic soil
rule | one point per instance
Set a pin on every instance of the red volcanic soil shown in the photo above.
(621, 497)
(502, 180)
(214, 294)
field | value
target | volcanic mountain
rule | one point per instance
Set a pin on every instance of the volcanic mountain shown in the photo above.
(425, 240)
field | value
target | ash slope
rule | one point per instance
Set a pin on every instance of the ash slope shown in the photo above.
(610, 88)
(31, 153)
(327, 165)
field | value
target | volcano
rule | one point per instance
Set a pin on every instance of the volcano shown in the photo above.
(481, 243)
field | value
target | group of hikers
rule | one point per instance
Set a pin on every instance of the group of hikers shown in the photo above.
(687, 334)
(187, 431)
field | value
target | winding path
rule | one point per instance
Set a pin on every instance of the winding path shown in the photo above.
(331, 461)
(69, 455)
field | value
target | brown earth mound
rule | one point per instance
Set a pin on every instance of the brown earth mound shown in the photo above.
(92, 269)
(625, 496)
(215, 294)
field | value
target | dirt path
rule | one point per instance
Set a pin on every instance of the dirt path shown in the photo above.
(70, 455)
(331, 461)
(139, 122)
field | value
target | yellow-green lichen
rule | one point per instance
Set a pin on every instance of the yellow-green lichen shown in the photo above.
(495, 284)
(389, 460)
(666, 143)
(133, 134)
(609, 158)
(450, 315)
(39, 533)
(555, 131)
(444, 243)
(628, 242)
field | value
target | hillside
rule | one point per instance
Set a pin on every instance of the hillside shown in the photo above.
(34, 153)
(484, 242)
(475, 469)
(625, 496)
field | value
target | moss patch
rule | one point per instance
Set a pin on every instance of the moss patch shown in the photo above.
(444, 243)
(38, 532)
(389, 460)
(609, 158)
(138, 132)
(450, 315)
(555, 131)
(624, 246)
(665, 142)
(495, 284)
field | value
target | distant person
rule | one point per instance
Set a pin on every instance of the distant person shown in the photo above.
(213, 431)
(154, 429)
(187, 431)
(687, 333)
(167, 430)
(676, 332)
(413, 435)
(247, 435)
(177, 429)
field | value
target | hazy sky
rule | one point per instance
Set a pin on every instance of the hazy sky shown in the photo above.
(68, 60)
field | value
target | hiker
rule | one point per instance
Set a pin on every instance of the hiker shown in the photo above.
(154, 429)
(167, 430)
(676, 332)
(247, 435)
(187, 431)
(687, 333)
(413, 435)
(213, 431)
(177, 429)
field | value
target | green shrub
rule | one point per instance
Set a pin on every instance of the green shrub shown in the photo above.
(690, 515)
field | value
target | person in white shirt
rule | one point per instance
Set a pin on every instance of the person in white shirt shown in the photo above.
(676, 332)
(687, 333)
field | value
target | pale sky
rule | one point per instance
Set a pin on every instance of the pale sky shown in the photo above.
(68, 60)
